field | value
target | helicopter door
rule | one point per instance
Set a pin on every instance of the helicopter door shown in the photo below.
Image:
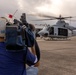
(62, 32)
(55, 31)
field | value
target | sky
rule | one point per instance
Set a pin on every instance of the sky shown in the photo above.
(48, 7)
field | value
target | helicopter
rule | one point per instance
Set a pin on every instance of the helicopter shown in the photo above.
(60, 30)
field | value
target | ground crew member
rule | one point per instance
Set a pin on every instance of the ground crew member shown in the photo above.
(12, 63)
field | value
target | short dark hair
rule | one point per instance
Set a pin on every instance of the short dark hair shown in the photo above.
(32, 27)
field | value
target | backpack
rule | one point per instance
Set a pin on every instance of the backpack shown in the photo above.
(14, 38)
(18, 37)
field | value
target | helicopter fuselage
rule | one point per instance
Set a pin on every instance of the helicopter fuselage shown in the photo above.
(58, 32)
(54, 32)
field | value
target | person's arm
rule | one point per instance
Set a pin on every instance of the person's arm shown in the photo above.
(34, 52)
(31, 58)
(33, 47)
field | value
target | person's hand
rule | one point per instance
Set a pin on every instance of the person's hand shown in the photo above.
(37, 64)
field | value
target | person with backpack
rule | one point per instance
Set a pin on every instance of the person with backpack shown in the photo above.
(13, 63)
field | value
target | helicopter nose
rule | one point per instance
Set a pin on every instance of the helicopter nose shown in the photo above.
(40, 32)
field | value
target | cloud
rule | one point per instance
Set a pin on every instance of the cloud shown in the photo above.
(69, 7)
(49, 7)
(28, 6)
(7, 7)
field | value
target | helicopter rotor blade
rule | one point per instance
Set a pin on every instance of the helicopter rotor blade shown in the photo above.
(42, 15)
(63, 17)
(42, 19)
(51, 17)
(47, 16)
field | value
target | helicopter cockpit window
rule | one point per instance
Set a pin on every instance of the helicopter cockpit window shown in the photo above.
(47, 27)
(51, 30)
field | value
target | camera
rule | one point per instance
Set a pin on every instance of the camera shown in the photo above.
(19, 35)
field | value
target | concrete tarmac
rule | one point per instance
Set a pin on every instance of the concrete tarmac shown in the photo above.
(58, 57)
